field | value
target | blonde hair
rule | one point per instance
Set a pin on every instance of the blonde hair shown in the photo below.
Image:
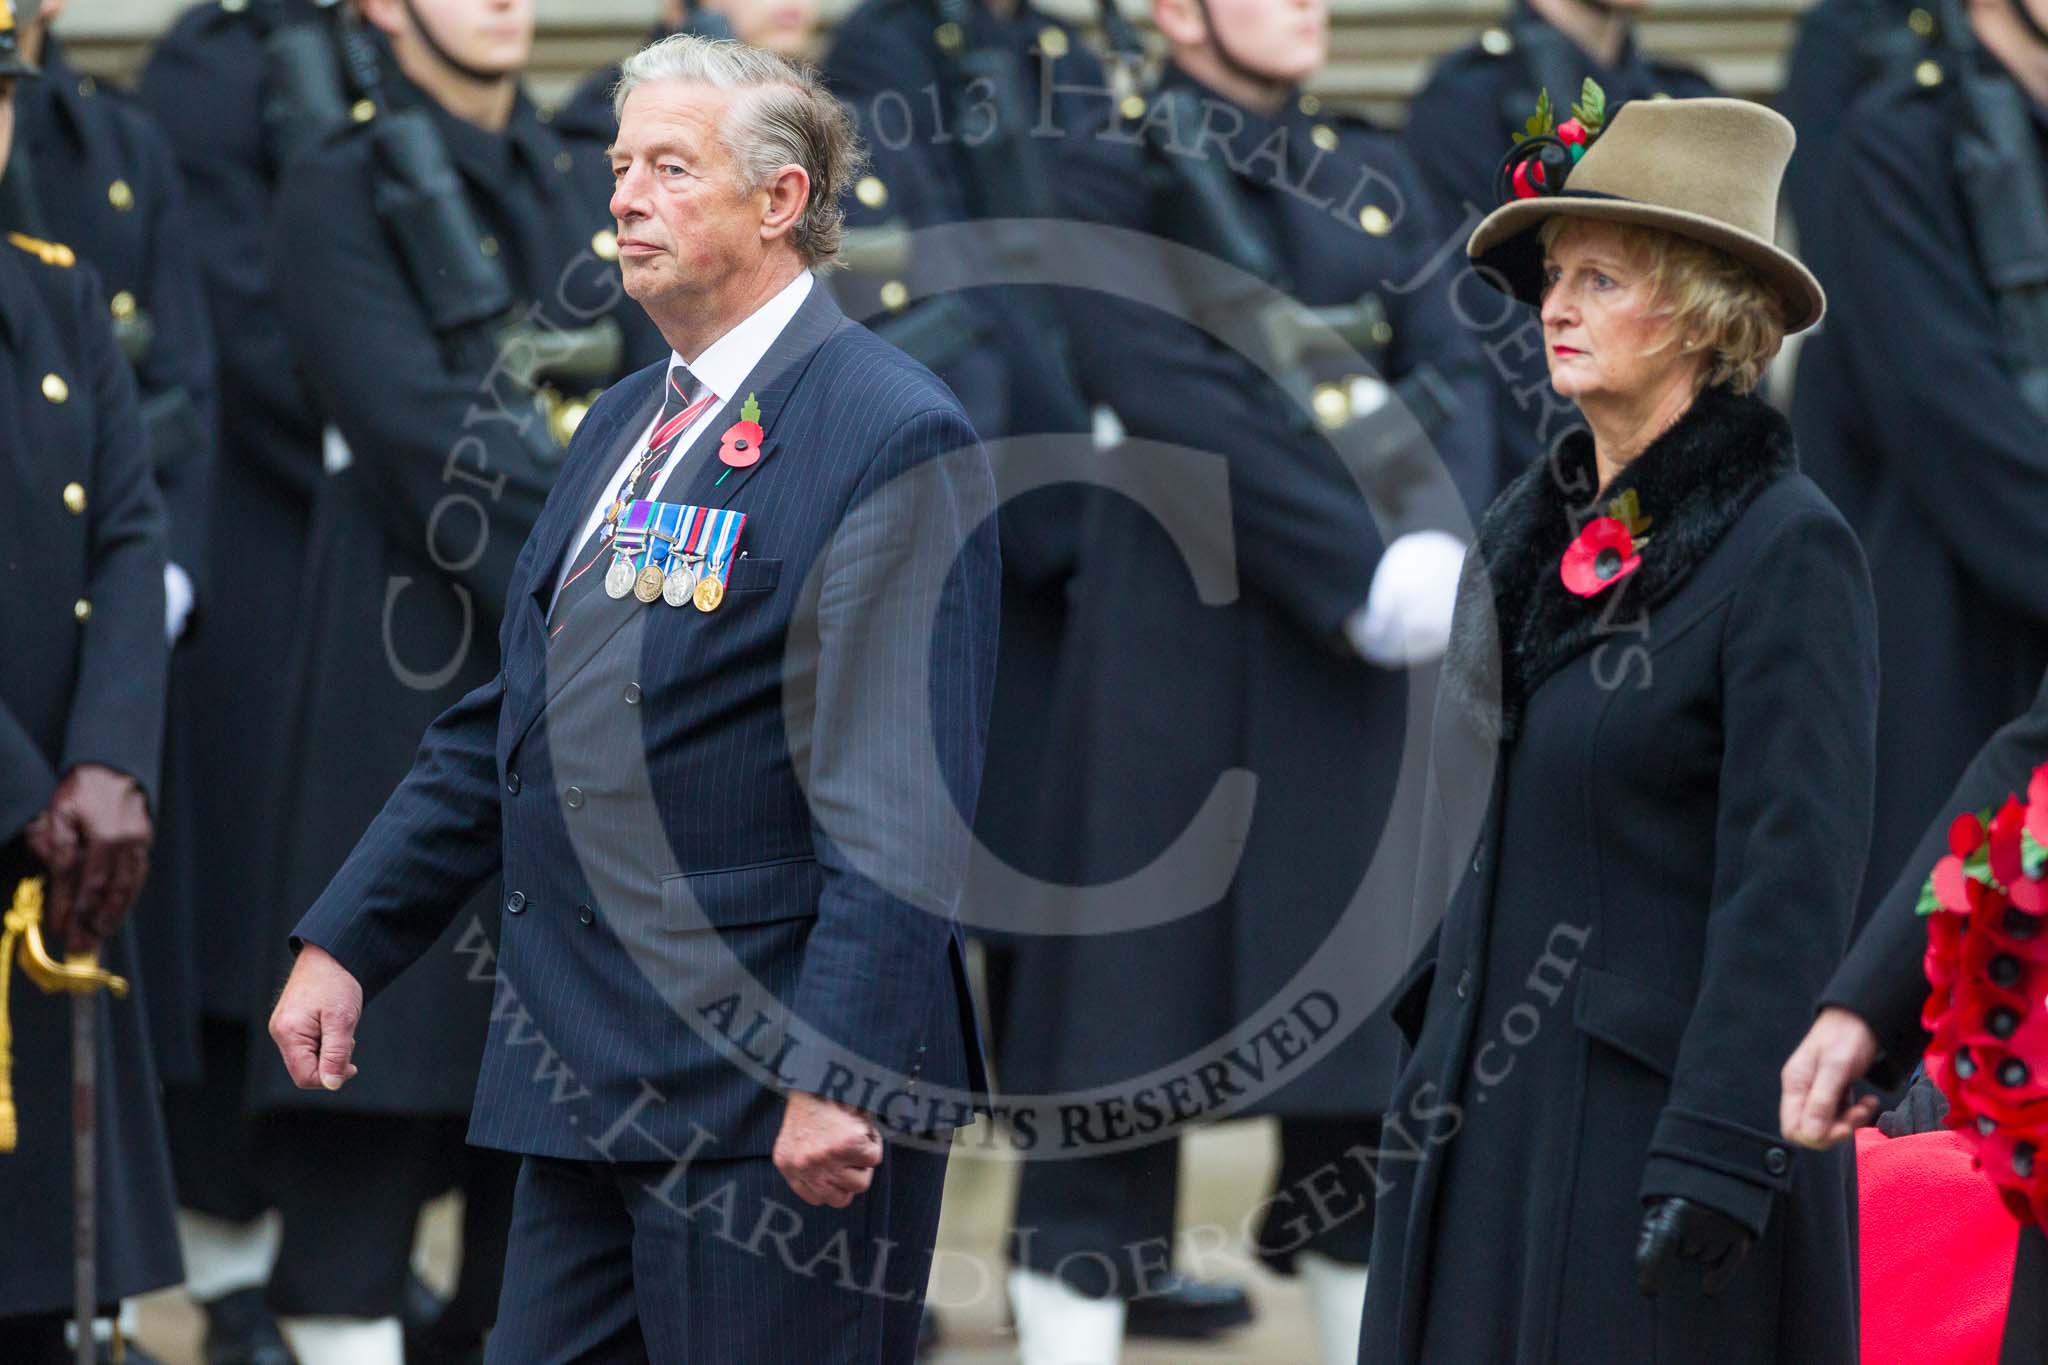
(787, 118)
(1717, 303)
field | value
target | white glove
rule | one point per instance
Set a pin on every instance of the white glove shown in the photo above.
(177, 602)
(1406, 619)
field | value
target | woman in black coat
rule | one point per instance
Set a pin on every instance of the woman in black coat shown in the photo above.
(1658, 708)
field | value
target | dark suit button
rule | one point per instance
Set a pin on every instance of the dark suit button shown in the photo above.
(632, 694)
(515, 904)
(574, 798)
(1464, 985)
(1775, 1161)
(585, 915)
(512, 783)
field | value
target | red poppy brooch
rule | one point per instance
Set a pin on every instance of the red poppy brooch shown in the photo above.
(1987, 967)
(1545, 151)
(1604, 552)
(740, 445)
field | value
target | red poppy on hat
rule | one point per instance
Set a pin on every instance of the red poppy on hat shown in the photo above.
(1603, 555)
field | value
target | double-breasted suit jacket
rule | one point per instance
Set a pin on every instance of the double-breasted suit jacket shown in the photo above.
(1665, 794)
(81, 681)
(767, 801)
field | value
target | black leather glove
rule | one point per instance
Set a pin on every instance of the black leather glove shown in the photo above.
(1921, 1110)
(1684, 1245)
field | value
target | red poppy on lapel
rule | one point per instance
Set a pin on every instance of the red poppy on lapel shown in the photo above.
(1603, 555)
(740, 446)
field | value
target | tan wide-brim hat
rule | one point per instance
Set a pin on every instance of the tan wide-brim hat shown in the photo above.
(1707, 169)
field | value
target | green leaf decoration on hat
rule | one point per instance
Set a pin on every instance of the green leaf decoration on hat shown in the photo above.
(1591, 110)
(1541, 123)
(750, 411)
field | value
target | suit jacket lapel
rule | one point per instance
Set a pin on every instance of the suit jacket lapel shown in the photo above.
(591, 625)
(561, 533)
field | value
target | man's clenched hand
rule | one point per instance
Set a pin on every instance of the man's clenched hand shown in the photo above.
(827, 1151)
(314, 1024)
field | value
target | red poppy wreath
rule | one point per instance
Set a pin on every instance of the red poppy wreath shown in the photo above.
(1987, 966)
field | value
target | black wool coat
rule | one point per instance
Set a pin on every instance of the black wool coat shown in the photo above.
(1921, 434)
(81, 681)
(1668, 837)
(413, 543)
(99, 177)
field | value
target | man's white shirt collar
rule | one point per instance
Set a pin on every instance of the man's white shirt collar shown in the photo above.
(728, 361)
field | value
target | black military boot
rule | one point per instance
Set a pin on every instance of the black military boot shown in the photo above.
(1182, 1308)
(241, 1330)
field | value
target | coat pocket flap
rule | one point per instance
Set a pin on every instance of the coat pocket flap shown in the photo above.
(753, 575)
(758, 893)
(1634, 1019)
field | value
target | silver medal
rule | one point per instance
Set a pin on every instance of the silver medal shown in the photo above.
(618, 579)
(680, 583)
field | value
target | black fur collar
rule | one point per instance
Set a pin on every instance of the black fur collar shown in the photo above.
(1693, 483)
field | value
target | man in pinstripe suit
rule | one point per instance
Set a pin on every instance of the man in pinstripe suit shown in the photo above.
(731, 825)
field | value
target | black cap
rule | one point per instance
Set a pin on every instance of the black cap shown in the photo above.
(12, 62)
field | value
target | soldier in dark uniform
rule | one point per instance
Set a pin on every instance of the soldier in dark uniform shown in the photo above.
(92, 170)
(1457, 124)
(1012, 371)
(251, 560)
(1934, 426)
(1844, 47)
(81, 725)
(440, 453)
(785, 27)
(1299, 678)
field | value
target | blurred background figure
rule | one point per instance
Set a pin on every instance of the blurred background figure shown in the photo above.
(1925, 398)
(786, 27)
(437, 454)
(81, 727)
(947, 99)
(1302, 677)
(234, 116)
(1463, 116)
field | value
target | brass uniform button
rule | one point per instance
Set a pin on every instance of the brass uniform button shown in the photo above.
(895, 296)
(121, 196)
(489, 246)
(1382, 332)
(87, 86)
(871, 191)
(1661, 95)
(122, 306)
(1132, 108)
(74, 498)
(606, 245)
(1374, 220)
(1496, 42)
(234, 6)
(81, 610)
(1928, 74)
(1311, 106)
(1052, 41)
(545, 113)
(1324, 136)
(1921, 22)
(949, 37)
(564, 162)
(362, 111)
(55, 389)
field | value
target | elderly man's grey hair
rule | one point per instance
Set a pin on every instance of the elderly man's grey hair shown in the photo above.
(784, 117)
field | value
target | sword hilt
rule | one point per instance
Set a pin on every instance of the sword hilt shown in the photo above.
(77, 974)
